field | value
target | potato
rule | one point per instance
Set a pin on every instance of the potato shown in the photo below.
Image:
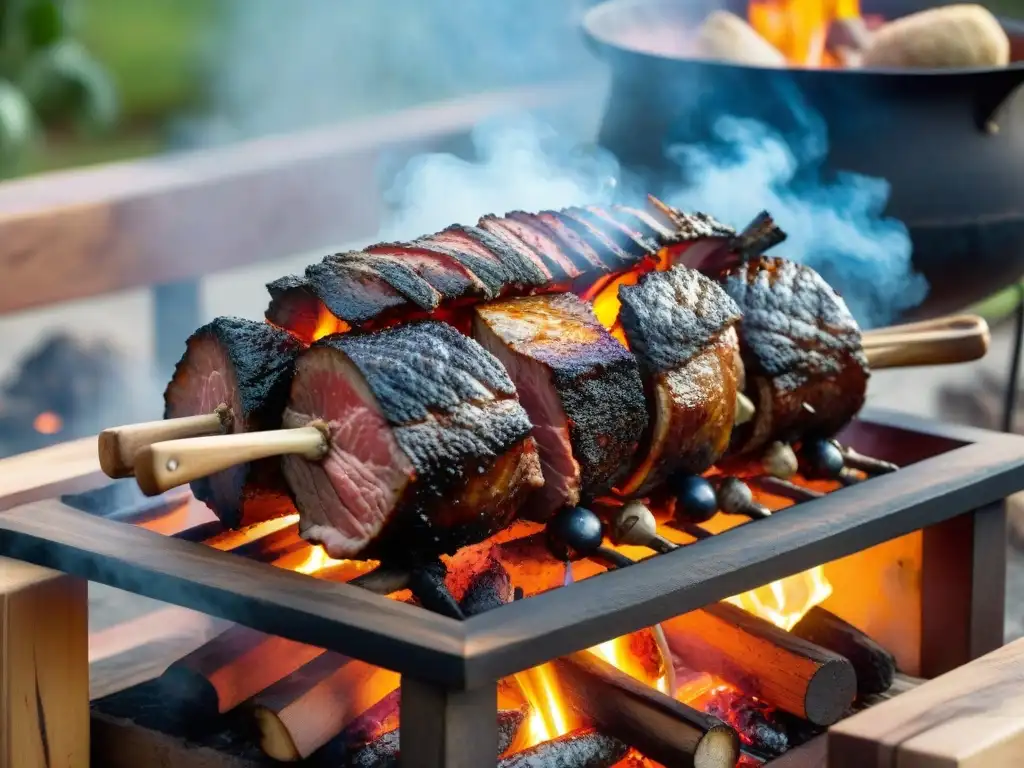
(727, 37)
(950, 36)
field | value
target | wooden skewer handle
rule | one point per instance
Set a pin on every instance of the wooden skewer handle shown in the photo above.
(162, 466)
(118, 445)
(941, 349)
(949, 322)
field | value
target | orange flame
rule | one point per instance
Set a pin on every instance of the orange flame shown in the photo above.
(48, 423)
(317, 560)
(784, 602)
(799, 28)
(326, 324)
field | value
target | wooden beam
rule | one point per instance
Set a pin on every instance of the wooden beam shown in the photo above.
(334, 616)
(442, 728)
(83, 233)
(972, 717)
(44, 668)
(70, 467)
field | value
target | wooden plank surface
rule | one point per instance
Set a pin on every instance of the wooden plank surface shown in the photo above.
(559, 622)
(44, 668)
(69, 467)
(335, 616)
(972, 717)
(87, 232)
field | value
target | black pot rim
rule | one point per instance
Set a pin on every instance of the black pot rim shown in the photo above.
(591, 23)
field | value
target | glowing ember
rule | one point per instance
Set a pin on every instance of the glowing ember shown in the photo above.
(785, 602)
(799, 28)
(316, 560)
(48, 423)
(326, 324)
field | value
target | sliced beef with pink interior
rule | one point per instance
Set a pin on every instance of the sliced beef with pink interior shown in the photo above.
(352, 292)
(580, 386)
(430, 448)
(522, 271)
(542, 239)
(486, 266)
(632, 244)
(610, 253)
(682, 328)
(248, 367)
(446, 275)
(514, 236)
(582, 254)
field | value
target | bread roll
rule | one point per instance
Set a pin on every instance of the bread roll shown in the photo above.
(950, 36)
(727, 37)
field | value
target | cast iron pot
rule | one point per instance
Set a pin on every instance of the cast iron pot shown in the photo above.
(950, 142)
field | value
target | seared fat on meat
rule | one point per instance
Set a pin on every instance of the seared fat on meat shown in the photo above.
(430, 449)
(806, 369)
(681, 326)
(580, 387)
(248, 367)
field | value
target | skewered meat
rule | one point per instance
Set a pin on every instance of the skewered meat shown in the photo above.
(429, 447)
(805, 368)
(579, 385)
(248, 367)
(681, 327)
(515, 255)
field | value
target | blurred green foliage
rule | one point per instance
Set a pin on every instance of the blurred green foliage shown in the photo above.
(48, 79)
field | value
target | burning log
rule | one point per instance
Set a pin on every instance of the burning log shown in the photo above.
(384, 751)
(784, 670)
(875, 667)
(301, 713)
(646, 719)
(950, 36)
(232, 668)
(582, 748)
(752, 720)
(727, 37)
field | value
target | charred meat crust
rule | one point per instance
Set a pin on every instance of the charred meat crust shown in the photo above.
(261, 359)
(680, 325)
(595, 378)
(519, 254)
(454, 413)
(669, 317)
(805, 366)
(294, 305)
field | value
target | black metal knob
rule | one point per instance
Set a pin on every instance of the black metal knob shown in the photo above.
(696, 501)
(574, 533)
(822, 459)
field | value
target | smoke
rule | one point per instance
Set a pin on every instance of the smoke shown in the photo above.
(836, 227)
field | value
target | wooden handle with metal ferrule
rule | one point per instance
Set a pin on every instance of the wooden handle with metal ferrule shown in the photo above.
(931, 348)
(162, 466)
(118, 445)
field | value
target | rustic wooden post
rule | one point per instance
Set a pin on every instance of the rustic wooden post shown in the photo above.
(963, 589)
(445, 728)
(44, 668)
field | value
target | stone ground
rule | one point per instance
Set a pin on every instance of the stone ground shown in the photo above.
(124, 319)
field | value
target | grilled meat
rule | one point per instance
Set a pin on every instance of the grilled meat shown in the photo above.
(682, 328)
(247, 366)
(430, 448)
(580, 387)
(806, 370)
(515, 255)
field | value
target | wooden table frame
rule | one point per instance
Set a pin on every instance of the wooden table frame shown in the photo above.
(450, 668)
